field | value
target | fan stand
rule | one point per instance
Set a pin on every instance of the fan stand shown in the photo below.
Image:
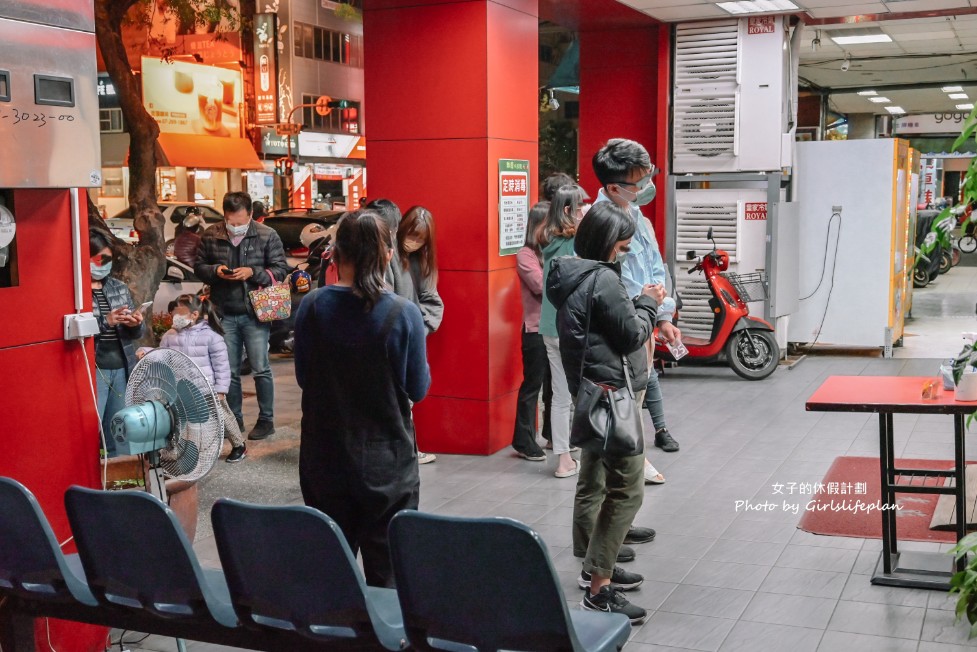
(155, 480)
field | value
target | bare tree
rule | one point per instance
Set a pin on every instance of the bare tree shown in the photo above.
(142, 266)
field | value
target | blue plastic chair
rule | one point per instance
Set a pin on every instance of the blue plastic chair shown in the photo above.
(32, 565)
(487, 584)
(137, 557)
(290, 568)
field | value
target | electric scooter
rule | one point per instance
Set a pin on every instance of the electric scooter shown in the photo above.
(748, 343)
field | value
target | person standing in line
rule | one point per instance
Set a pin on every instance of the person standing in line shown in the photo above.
(236, 256)
(396, 277)
(415, 237)
(554, 182)
(555, 238)
(626, 174)
(603, 333)
(361, 362)
(120, 325)
(535, 367)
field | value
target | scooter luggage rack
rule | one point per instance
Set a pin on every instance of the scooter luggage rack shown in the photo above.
(750, 287)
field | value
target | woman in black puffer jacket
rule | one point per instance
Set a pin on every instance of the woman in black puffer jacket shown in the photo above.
(609, 490)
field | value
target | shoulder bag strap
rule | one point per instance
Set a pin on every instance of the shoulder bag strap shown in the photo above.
(586, 328)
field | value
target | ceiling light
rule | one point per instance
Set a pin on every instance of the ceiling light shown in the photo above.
(952, 89)
(859, 40)
(756, 6)
(895, 109)
(879, 100)
(867, 93)
(958, 96)
(965, 107)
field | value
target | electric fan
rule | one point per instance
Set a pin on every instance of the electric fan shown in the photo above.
(172, 415)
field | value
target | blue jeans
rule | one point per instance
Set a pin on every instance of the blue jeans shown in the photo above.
(111, 386)
(243, 332)
(653, 400)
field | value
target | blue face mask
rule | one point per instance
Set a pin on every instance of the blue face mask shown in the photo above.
(100, 271)
(646, 194)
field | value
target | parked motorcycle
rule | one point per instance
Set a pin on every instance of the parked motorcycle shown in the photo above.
(747, 343)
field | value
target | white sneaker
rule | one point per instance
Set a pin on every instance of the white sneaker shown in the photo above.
(425, 458)
(652, 476)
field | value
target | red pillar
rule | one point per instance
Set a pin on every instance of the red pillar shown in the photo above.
(624, 90)
(451, 89)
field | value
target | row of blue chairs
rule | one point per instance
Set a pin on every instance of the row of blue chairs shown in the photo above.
(289, 580)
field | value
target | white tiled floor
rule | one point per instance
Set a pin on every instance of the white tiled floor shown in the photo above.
(715, 578)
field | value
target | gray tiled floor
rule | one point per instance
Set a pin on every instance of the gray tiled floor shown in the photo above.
(716, 578)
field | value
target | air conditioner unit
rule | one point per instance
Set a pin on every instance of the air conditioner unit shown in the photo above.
(737, 218)
(731, 96)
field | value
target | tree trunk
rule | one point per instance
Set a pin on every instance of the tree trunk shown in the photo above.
(142, 266)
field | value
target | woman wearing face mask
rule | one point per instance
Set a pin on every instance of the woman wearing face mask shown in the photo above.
(555, 238)
(119, 325)
(415, 237)
(197, 333)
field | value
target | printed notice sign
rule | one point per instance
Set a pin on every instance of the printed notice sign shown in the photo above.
(756, 211)
(513, 205)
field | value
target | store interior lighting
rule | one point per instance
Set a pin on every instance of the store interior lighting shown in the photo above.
(867, 93)
(958, 96)
(879, 100)
(952, 89)
(756, 6)
(895, 109)
(965, 107)
(859, 36)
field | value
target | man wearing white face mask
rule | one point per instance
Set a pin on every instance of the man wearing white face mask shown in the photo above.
(626, 174)
(236, 256)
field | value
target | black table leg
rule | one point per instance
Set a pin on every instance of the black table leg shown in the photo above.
(960, 477)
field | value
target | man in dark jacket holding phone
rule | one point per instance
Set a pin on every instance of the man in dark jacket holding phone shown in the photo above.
(236, 256)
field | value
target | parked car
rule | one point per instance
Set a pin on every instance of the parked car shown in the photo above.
(178, 279)
(173, 215)
(298, 228)
(123, 229)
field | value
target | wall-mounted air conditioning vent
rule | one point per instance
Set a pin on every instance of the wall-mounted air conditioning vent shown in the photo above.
(705, 127)
(707, 53)
(696, 218)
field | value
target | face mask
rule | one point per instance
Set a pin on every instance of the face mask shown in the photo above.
(100, 271)
(181, 321)
(238, 230)
(646, 194)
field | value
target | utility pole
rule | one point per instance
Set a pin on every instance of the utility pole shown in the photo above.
(323, 106)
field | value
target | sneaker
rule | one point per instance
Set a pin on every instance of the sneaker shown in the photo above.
(639, 535)
(533, 456)
(652, 475)
(262, 430)
(237, 454)
(625, 554)
(425, 458)
(611, 601)
(665, 441)
(621, 580)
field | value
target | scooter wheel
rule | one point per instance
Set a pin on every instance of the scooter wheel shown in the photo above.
(946, 262)
(921, 278)
(753, 358)
(967, 244)
(956, 256)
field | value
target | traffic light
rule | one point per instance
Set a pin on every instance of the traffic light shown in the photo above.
(338, 104)
(288, 166)
(279, 166)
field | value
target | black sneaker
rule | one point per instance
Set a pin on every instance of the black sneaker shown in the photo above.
(612, 601)
(639, 535)
(625, 554)
(665, 441)
(261, 430)
(237, 454)
(533, 455)
(621, 580)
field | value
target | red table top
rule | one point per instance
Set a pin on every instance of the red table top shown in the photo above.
(883, 394)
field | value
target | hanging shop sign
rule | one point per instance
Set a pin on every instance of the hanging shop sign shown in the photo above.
(513, 205)
(187, 98)
(762, 25)
(266, 68)
(930, 123)
(272, 143)
(318, 144)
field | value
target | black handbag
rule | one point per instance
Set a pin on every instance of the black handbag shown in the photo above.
(606, 419)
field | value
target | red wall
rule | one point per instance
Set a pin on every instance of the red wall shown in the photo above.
(624, 90)
(49, 433)
(445, 105)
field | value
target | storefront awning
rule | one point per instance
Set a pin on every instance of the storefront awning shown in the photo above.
(207, 152)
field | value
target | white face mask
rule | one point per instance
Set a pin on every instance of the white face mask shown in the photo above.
(238, 230)
(181, 321)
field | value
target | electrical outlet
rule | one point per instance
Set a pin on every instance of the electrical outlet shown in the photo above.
(80, 325)
(836, 209)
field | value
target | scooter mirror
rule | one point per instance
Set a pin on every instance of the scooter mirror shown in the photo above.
(709, 234)
(690, 254)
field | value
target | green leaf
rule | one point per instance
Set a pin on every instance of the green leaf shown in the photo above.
(966, 135)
